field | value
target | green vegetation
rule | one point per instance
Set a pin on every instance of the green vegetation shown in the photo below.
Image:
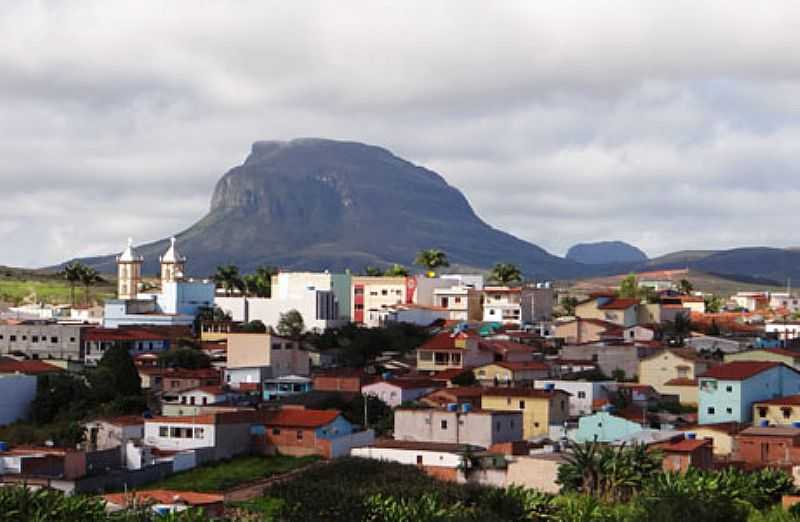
(229, 278)
(505, 273)
(396, 271)
(184, 357)
(259, 283)
(291, 325)
(360, 345)
(221, 476)
(50, 290)
(431, 259)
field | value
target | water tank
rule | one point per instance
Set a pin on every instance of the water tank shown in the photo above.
(691, 435)
(764, 423)
(452, 406)
(466, 407)
(3, 446)
(796, 424)
(549, 386)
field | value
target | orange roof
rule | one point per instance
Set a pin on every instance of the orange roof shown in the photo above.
(731, 428)
(299, 418)
(123, 420)
(227, 417)
(740, 370)
(789, 400)
(443, 341)
(504, 347)
(164, 496)
(681, 382)
(619, 304)
(522, 392)
(460, 391)
(683, 445)
(32, 367)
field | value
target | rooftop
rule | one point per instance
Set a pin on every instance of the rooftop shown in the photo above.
(299, 418)
(409, 384)
(32, 367)
(740, 370)
(771, 431)
(789, 400)
(424, 446)
(522, 392)
(684, 445)
(619, 304)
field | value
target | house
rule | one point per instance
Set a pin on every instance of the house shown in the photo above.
(297, 431)
(348, 380)
(517, 305)
(163, 501)
(504, 373)
(781, 411)
(446, 350)
(728, 391)
(455, 395)
(200, 396)
(508, 351)
(286, 385)
(136, 340)
(769, 446)
(255, 357)
(609, 356)
(442, 460)
(395, 392)
(457, 425)
(413, 313)
(113, 432)
(673, 372)
(226, 434)
(604, 426)
(372, 295)
(170, 381)
(582, 394)
(17, 392)
(684, 452)
(784, 301)
(34, 367)
(42, 340)
(620, 311)
(541, 408)
(586, 330)
(751, 301)
(787, 357)
(642, 332)
(722, 434)
(461, 302)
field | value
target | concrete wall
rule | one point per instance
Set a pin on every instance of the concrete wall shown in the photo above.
(52, 340)
(582, 393)
(477, 428)
(535, 473)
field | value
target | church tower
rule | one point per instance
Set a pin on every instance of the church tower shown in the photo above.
(129, 272)
(172, 264)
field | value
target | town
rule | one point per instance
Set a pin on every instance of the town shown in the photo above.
(185, 393)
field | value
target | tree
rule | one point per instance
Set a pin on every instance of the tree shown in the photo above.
(396, 271)
(372, 271)
(713, 304)
(679, 328)
(184, 357)
(685, 286)
(228, 277)
(259, 283)
(618, 374)
(291, 325)
(629, 287)
(466, 378)
(120, 365)
(505, 273)
(254, 326)
(89, 277)
(72, 274)
(431, 259)
(569, 304)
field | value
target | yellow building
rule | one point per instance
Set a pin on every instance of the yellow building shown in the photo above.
(511, 373)
(673, 372)
(722, 433)
(372, 295)
(622, 312)
(787, 357)
(215, 330)
(780, 411)
(448, 351)
(540, 408)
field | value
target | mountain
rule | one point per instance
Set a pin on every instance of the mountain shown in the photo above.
(315, 204)
(606, 252)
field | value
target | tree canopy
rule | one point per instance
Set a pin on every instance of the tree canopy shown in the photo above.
(505, 273)
(291, 325)
(431, 259)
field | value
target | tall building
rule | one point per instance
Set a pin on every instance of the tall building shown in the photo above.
(172, 264)
(129, 272)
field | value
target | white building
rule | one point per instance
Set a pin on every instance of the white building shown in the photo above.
(518, 305)
(320, 297)
(228, 433)
(17, 392)
(395, 392)
(784, 300)
(176, 305)
(582, 393)
(413, 314)
(783, 330)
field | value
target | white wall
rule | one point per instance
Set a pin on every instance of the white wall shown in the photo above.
(591, 391)
(153, 438)
(16, 394)
(409, 456)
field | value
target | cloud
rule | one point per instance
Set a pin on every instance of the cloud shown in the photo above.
(669, 125)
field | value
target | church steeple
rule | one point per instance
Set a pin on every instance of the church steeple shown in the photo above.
(172, 264)
(129, 272)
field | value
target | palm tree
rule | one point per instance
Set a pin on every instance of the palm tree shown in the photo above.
(228, 277)
(396, 271)
(685, 286)
(259, 283)
(679, 328)
(89, 276)
(72, 274)
(431, 259)
(505, 273)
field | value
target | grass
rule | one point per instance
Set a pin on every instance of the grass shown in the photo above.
(228, 474)
(51, 291)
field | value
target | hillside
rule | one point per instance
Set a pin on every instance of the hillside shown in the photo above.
(314, 204)
(606, 252)
(22, 285)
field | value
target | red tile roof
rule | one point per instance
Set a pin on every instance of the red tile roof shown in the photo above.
(31, 367)
(447, 375)
(164, 496)
(683, 445)
(789, 400)
(681, 382)
(182, 373)
(740, 370)
(444, 341)
(619, 304)
(522, 392)
(460, 391)
(299, 418)
(504, 347)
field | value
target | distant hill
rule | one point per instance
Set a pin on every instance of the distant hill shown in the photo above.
(606, 252)
(315, 204)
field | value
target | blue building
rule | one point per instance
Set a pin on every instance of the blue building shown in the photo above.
(727, 392)
(286, 385)
(605, 427)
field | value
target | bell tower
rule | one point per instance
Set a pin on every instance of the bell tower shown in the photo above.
(172, 264)
(129, 272)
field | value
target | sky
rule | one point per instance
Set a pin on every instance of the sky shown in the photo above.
(670, 125)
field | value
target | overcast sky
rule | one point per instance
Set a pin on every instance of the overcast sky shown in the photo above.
(671, 125)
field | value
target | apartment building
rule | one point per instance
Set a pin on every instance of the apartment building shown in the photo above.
(43, 340)
(371, 296)
(457, 425)
(256, 357)
(517, 305)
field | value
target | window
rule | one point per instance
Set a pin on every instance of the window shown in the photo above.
(373, 292)
(508, 401)
(729, 410)
(521, 405)
(787, 413)
(163, 431)
(481, 372)
(276, 431)
(12, 338)
(358, 291)
(359, 307)
(535, 424)
(34, 338)
(428, 420)
(72, 339)
(497, 426)
(762, 411)
(198, 433)
(384, 292)
(54, 340)
(581, 395)
(299, 434)
(419, 460)
(457, 300)
(711, 410)
(729, 389)
(444, 424)
(491, 311)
